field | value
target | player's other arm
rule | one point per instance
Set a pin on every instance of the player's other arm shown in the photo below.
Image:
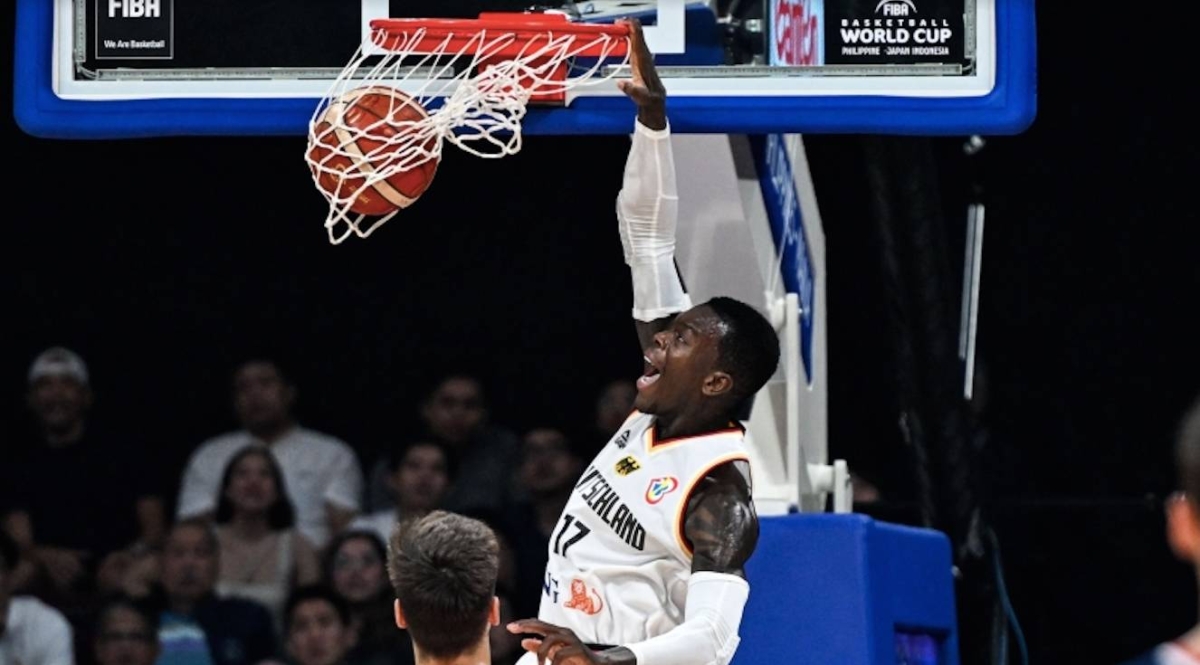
(648, 204)
(722, 527)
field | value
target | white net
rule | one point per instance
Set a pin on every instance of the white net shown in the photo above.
(476, 83)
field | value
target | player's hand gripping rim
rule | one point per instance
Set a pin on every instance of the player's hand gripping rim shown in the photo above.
(644, 87)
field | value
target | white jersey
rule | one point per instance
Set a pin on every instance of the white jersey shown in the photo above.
(619, 563)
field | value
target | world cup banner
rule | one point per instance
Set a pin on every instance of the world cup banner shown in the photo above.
(882, 32)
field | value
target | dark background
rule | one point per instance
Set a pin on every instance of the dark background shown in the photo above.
(166, 261)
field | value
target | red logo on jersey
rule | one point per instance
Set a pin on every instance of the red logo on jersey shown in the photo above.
(660, 487)
(584, 599)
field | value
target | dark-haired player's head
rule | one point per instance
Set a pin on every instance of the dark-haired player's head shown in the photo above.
(126, 633)
(443, 568)
(712, 359)
(1183, 511)
(317, 628)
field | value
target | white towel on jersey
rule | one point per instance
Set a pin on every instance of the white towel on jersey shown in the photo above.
(619, 562)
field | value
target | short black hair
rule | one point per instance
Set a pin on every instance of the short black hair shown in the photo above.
(143, 609)
(331, 550)
(281, 515)
(201, 524)
(397, 454)
(1187, 452)
(749, 349)
(274, 363)
(310, 592)
(443, 568)
(10, 554)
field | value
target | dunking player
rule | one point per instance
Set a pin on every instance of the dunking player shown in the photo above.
(646, 562)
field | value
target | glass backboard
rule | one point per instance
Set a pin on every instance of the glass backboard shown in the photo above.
(135, 68)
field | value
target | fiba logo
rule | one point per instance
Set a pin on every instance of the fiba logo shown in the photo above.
(896, 7)
(134, 8)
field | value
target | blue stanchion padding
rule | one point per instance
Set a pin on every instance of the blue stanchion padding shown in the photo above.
(831, 589)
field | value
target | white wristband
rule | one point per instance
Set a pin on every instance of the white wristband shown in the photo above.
(709, 632)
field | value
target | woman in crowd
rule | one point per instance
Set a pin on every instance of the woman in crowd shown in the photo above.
(262, 556)
(356, 569)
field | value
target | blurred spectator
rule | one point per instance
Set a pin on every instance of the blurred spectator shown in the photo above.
(356, 570)
(126, 633)
(455, 413)
(318, 627)
(262, 557)
(419, 475)
(72, 474)
(196, 627)
(324, 479)
(1183, 534)
(613, 406)
(548, 471)
(31, 632)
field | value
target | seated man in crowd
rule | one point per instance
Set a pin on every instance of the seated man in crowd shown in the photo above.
(125, 633)
(549, 468)
(67, 477)
(419, 475)
(31, 632)
(323, 477)
(317, 624)
(196, 627)
(455, 414)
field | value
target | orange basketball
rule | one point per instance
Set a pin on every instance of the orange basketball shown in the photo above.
(361, 133)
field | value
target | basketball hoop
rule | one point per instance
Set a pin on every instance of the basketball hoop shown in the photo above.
(465, 81)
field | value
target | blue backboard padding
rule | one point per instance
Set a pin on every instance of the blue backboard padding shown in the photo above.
(1008, 109)
(835, 589)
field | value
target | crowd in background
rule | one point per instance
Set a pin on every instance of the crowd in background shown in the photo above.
(270, 545)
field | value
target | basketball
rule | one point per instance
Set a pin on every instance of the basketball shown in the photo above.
(373, 135)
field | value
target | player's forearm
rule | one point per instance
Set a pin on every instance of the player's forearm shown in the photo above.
(647, 204)
(708, 634)
(647, 215)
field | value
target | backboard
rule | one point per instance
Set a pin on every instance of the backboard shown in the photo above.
(139, 68)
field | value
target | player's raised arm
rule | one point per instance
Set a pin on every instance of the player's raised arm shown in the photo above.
(648, 204)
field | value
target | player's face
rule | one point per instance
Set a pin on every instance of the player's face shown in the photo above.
(678, 362)
(421, 479)
(260, 396)
(125, 639)
(252, 485)
(358, 572)
(189, 564)
(58, 402)
(317, 635)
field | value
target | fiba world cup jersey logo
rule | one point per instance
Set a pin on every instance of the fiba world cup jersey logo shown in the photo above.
(661, 487)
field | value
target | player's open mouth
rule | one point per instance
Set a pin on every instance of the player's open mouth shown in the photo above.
(650, 376)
